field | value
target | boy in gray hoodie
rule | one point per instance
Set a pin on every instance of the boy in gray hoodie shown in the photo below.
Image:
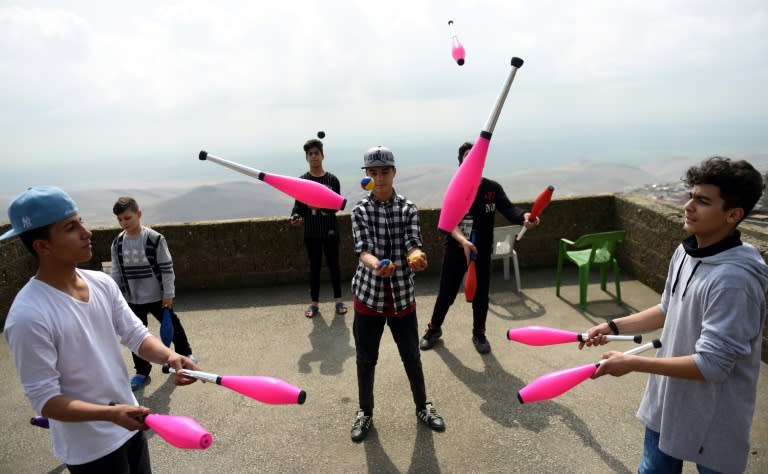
(700, 398)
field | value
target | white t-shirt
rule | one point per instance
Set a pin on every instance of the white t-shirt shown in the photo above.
(64, 346)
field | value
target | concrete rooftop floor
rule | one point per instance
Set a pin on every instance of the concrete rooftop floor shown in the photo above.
(262, 331)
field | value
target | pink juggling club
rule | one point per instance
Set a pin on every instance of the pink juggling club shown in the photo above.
(309, 192)
(545, 336)
(541, 203)
(457, 49)
(463, 186)
(265, 389)
(551, 385)
(179, 431)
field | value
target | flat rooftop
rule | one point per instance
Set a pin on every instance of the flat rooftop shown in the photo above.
(262, 331)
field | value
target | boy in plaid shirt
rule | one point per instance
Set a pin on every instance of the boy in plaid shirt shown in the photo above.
(385, 227)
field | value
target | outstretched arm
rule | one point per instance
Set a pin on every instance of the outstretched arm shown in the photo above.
(617, 364)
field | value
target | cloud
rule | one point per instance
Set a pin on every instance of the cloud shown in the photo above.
(95, 84)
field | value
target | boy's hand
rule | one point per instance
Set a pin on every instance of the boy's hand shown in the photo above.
(179, 362)
(168, 303)
(527, 222)
(469, 249)
(615, 363)
(417, 260)
(596, 336)
(128, 416)
(385, 268)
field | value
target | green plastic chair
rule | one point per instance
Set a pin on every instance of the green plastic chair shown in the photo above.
(589, 251)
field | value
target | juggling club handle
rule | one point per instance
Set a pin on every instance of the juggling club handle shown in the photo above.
(637, 338)
(40, 421)
(490, 124)
(206, 376)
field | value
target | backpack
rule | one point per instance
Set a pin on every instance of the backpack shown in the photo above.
(150, 249)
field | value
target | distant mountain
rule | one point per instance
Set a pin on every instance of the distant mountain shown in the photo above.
(424, 185)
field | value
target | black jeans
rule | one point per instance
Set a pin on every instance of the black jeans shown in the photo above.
(451, 275)
(315, 250)
(368, 331)
(180, 342)
(130, 458)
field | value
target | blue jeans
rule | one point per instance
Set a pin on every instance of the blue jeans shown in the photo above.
(656, 462)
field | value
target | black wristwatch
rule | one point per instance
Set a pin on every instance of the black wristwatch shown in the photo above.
(614, 328)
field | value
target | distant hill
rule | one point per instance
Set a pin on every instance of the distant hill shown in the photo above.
(424, 185)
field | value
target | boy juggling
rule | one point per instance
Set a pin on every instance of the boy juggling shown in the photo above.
(387, 237)
(701, 393)
(64, 329)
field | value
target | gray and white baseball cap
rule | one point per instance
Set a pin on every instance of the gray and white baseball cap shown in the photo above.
(377, 157)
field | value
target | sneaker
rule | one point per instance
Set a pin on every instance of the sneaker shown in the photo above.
(481, 343)
(138, 381)
(431, 417)
(430, 338)
(361, 426)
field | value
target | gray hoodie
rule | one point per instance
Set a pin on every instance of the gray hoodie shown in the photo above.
(715, 310)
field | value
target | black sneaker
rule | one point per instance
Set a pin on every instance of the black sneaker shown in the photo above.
(361, 426)
(431, 417)
(430, 338)
(481, 343)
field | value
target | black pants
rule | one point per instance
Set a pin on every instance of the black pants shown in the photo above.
(180, 342)
(315, 250)
(130, 458)
(368, 331)
(451, 276)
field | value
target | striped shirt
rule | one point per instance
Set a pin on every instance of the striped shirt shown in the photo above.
(142, 283)
(319, 223)
(390, 230)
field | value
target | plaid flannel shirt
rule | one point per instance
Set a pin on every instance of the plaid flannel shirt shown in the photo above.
(390, 230)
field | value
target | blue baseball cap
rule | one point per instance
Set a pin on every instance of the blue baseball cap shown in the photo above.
(37, 207)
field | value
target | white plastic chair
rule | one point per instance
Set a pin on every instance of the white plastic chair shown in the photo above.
(504, 248)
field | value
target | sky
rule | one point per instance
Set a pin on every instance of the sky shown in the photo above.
(97, 93)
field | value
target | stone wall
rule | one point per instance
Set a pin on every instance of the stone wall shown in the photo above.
(269, 251)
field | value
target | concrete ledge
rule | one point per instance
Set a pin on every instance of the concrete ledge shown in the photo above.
(268, 251)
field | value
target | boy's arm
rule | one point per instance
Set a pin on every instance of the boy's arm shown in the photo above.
(512, 213)
(65, 408)
(415, 256)
(361, 235)
(644, 321)
(115, 271)
(336, 187)
(617, 364)
(165, 264)
(153, 350)
(468, 246)
(412, 230)
(299, 209)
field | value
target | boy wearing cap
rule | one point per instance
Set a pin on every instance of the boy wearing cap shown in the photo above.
(321, 231)
(63, 328)
(385, 226)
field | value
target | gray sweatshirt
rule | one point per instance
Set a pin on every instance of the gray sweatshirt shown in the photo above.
(141, 285)
(715, 310)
